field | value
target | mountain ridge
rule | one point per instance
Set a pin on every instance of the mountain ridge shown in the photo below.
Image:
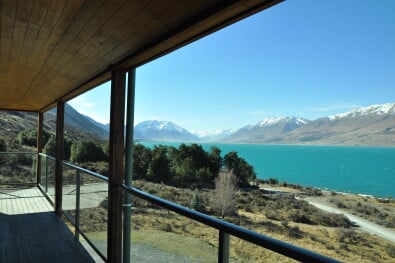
(373, 125)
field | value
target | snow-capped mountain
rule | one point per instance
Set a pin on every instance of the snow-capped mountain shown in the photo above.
(215, 135)
(163, 131)
(372, 125)
(268, 127)
(377, 109)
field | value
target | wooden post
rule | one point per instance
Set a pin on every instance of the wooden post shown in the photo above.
(116, 166)
(59, 157)
(39, 146)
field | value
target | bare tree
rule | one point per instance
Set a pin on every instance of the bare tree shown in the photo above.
(225, 200)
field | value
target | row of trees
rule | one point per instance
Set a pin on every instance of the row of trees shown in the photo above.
(75, 151)
(188, 165)
(185, 166)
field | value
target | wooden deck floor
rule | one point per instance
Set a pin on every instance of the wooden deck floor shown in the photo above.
(31, 232)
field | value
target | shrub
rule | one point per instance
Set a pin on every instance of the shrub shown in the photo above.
(29, 137)
(197, 202)
(272, 181)
(390, 249)
(85, 151)
(3, 145)
(348, 236)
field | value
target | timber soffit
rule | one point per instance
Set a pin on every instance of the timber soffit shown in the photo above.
(71, 46)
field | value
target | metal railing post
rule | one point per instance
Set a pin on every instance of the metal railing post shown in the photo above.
(77, 205)
(223, 247)
(46, 174)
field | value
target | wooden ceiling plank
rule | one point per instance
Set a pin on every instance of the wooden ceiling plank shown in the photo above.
(103, 14)
(173, 17)
(109, 14)
(133, 42)
(99, 40)
(81, 19)
(40, 52)
(94, 51)
(67, 14)
(36, 19)
(20, 27)
(118, 19)
(8, 14)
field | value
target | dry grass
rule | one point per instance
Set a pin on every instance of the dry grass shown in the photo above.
(175, 234)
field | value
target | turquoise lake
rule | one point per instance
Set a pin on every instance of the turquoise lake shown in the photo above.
(363, 170)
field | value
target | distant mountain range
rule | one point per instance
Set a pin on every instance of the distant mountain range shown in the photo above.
(373, 125)
(267, 128)
(162, 131)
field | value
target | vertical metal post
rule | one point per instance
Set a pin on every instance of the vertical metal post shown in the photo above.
(59, 157)
(77, 205)
(46, 174)
(128, 164)
(223, 247)
(39, 146)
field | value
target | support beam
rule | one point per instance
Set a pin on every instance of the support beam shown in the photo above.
(40, 122)
(116, 166)
(59, 157)
(128, 163)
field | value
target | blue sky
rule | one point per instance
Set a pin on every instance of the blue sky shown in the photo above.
(304, 58)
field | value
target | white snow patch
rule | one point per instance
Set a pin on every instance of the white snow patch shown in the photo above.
(377, 109)
(274, 120)
(212, 133)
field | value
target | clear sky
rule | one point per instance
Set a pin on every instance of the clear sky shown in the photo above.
(304, 58)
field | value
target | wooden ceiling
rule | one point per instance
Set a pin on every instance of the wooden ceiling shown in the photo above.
(53, 50)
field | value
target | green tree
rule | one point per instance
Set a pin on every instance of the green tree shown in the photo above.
(197, 202)
(215, 160)
(29, 137)
(159, 168)
(141, 161)
(86, 151)
(243, 171)
(191, 166)
(106, 150)
(50, 147)
(3, 145)
(3, 148)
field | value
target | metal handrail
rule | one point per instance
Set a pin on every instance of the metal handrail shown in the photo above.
(273, 244)
(18, 153)
(225, 228)
(47, 156)
(99, 176)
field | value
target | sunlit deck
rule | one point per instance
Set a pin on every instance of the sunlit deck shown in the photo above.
(31, 232)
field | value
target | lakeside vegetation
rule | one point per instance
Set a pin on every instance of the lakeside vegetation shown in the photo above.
(279, 215)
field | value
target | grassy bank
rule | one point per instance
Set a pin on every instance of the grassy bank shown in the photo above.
(277, 215)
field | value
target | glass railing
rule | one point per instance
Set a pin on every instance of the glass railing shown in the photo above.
(166, 229)
(161, 229)
(84, 204)
(18, 169)
(47, 175)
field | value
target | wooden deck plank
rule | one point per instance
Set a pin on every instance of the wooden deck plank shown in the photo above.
(31, 232)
